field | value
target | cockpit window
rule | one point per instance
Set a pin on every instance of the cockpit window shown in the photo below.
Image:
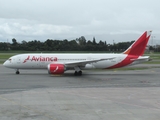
(10, 59)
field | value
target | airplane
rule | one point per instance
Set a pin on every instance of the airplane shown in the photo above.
(59, 63)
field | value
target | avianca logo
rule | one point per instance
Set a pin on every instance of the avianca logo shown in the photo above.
(55, 69)
(26, 59)
(40, 58)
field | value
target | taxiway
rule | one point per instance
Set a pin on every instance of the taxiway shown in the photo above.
(105, 95)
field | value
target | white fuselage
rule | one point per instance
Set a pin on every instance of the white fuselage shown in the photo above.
(40, 61)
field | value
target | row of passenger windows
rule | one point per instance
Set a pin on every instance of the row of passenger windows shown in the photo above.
(72, 59)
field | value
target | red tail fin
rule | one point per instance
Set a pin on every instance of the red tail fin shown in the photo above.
(139, 46)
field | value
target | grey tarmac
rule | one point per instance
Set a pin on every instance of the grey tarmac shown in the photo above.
(96, 95)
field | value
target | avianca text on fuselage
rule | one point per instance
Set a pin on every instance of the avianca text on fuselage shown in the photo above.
(40, 59)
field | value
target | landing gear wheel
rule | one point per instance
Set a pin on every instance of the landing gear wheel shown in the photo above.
(17, 72)
(75, 73)
(78, 73)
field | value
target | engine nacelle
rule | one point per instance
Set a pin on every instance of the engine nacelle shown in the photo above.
(56, 68)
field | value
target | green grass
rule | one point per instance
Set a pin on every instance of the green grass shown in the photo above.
(152, 62)
(5, 56)
(134, 68)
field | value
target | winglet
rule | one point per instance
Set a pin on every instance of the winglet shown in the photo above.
(139, 46)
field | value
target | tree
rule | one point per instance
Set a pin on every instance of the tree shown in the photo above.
(82, 40)
(3, 46)
(14, 41)
(94, 41)
(49, 44)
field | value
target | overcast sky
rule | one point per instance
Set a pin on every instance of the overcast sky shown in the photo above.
(106, 20)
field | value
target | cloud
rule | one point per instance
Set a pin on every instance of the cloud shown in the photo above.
(12, 28)
(39, 19)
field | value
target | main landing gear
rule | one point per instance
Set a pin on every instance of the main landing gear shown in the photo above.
(17, 71)
(78, 71)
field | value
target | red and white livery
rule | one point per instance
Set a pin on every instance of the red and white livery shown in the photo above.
(59, 63)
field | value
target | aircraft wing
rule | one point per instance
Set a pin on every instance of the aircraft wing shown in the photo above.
(84, 62)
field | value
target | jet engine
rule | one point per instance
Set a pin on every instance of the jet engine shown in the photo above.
(56, 68)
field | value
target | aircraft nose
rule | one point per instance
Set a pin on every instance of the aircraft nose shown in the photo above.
(6, 64)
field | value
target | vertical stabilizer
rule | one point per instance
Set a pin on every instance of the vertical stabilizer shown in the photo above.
(139, 46)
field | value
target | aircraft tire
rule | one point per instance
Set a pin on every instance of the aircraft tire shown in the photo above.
(80, 73)
(17, 72)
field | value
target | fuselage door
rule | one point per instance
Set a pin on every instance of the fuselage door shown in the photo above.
(18, 59)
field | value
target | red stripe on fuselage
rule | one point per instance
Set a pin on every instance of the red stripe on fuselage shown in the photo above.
(128, 60)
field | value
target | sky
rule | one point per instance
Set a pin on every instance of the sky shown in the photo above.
(106, 20)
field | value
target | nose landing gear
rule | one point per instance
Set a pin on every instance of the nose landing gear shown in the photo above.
(17, 71)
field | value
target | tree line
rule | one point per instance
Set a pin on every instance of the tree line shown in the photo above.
(78, 44)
